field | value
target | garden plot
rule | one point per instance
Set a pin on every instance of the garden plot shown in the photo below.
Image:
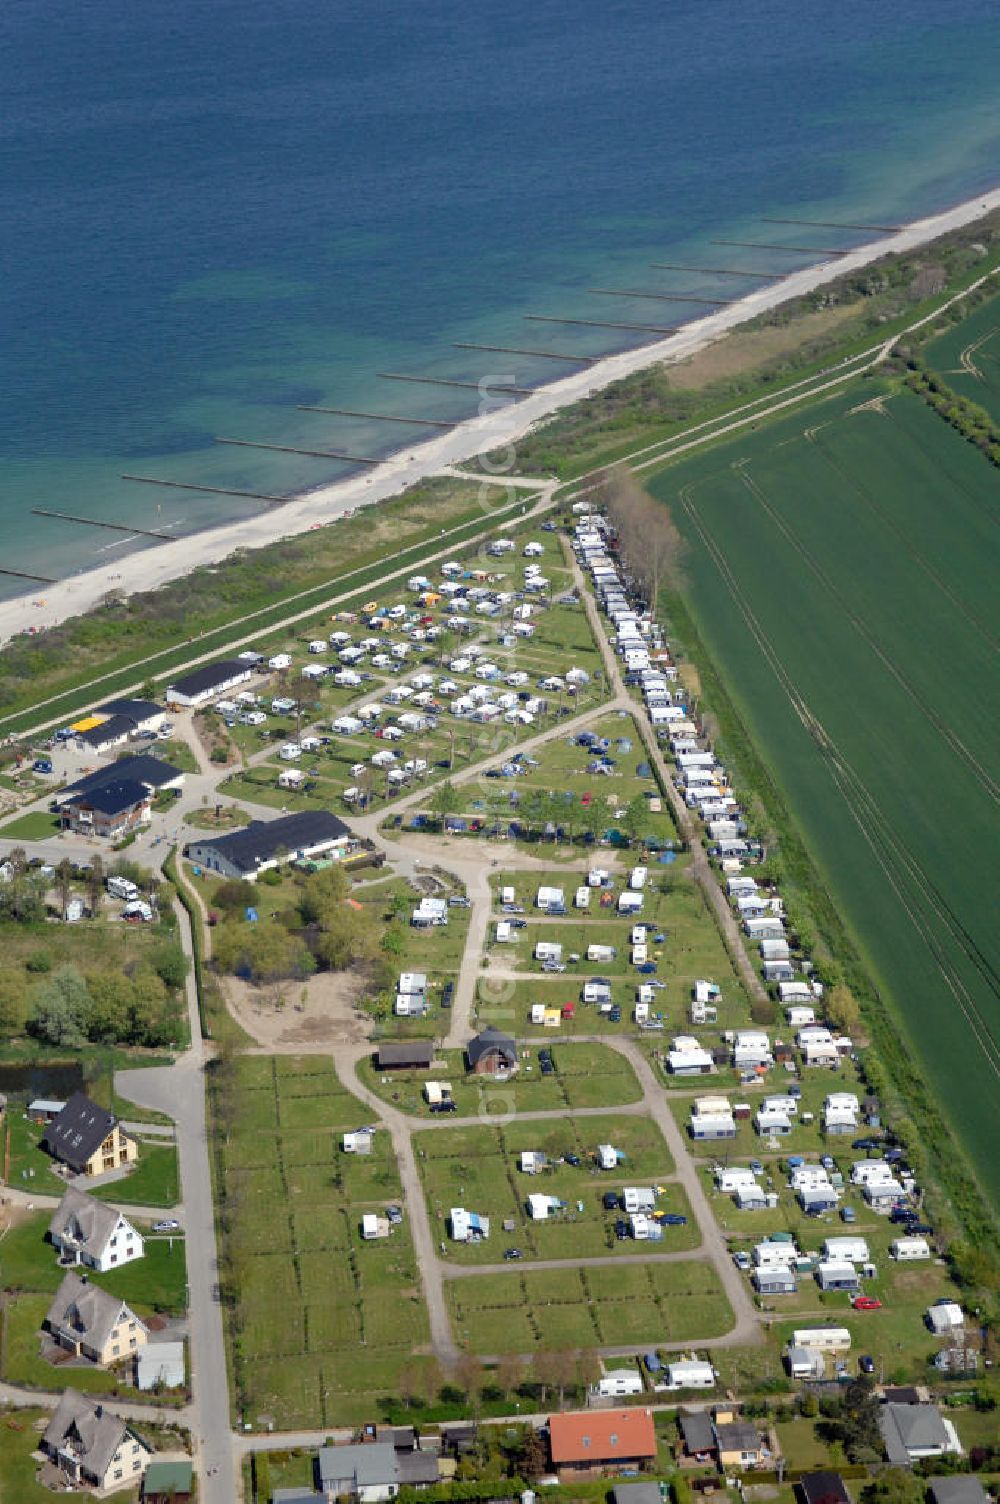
(479, 1169)
(308, 1290)
(596, 1077)
(524, 1312)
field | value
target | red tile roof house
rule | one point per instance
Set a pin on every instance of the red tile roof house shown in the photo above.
(604, 1441)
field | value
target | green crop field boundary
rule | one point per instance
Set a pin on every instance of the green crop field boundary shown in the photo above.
(889, 1065)
(966, 356)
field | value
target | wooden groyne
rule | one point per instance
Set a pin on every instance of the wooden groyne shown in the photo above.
(583, 360)
(661, 297)
(716, 271)
(548, 318)
(793, 250)
(831, 224)
(186, 485)
(115, 527)
(472, 386)
(318, 454)
(19, 574)
(346, 412)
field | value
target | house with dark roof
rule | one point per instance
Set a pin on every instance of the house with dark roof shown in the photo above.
(92, 1447)
(823, 1488)
(373, 1471)
(636, 1493)
(88, 1138)
(591, 1442)
(738, 1443)
(113, 731)
(912, 1432)
(87, 1322)
(961, 1488)
(205, 683)
(113, 810)
(697, 1435)
(265, 843)
(89, 1232)
(145, 715)
(404, 1054)
(491, 1053)
(117, 798)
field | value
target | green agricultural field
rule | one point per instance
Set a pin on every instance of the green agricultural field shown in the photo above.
(650, 1305)
(967, 357)
(842, 571)
(320, 1321)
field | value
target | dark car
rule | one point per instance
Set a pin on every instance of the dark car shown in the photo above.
(446, 1106)
(902, 1214)
(865, 1143)
(866, 1364)
(610, 1201)
(573, 1159)
(673, 1219)
(513, 1253)
(394, 1214)
(621, 1229)
(459, 901)
(548, 1069)
(615, 1016)
(920, 1229)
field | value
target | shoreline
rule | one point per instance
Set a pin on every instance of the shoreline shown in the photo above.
(152, 568)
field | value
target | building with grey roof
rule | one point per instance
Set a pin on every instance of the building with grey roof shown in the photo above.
(89, 1323)
(90, 1445)
(89, 1232)
(911, 1432)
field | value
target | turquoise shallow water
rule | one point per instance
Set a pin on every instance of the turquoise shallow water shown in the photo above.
(214, 214)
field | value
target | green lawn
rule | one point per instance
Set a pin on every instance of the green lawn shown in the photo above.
(153, 1182)
(157, 1281)
(856, 546)
(479, 1169)
(19, 1432)
(322, 1321)
(23, 1363)
(649, 1305)
(599, 1077)
(37, 825)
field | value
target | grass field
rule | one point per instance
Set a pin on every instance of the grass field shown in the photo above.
(968, 357)
(842, 576)
(580, 1308)
(321, 1322)
(478, 1168)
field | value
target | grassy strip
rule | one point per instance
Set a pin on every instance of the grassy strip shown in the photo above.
(216, 1021)
(888, 1065)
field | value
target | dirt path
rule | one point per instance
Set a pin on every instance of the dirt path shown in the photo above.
(442, 1341)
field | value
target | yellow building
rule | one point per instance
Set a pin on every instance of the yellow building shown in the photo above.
(89, 1139)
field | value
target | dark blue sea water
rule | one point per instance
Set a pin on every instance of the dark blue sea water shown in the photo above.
(212, 213)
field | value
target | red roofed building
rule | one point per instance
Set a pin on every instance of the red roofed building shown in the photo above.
(597, 1441)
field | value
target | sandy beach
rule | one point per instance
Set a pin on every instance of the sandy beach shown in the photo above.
(501, 425)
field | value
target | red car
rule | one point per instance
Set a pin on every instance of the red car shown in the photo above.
(867, 1303)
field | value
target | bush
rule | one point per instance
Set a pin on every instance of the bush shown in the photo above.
(39, 962)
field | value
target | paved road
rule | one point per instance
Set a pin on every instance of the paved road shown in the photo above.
(44, 1399)
(179, 1091)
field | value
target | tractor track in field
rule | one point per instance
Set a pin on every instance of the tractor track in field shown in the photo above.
(866, 813)
(865, 496)
(989, 784)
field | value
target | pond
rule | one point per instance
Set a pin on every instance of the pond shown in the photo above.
(50, 1079)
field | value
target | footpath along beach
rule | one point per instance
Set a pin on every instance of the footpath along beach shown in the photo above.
(503, 424)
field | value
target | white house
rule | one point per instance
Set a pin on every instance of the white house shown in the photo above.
(946, 1317)
(618, 1382)
(87, 1232)
(689, 1373)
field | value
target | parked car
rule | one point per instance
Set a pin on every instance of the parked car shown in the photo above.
(394, 1214)
(446, 1106)
(573, 1159)
(168, 1224)
(610, 1201)
(742, 1261)
(621, 1229)
(512, 1253)
(867, 1303)
(866, 1364)
(673, 1219)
